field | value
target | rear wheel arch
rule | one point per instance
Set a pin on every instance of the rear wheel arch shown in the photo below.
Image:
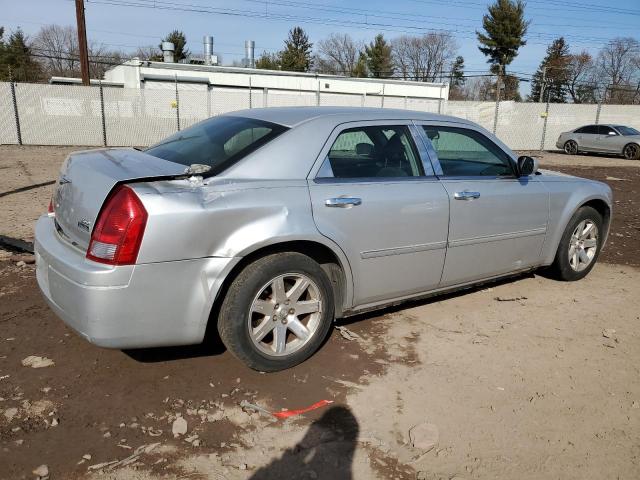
(336, 269)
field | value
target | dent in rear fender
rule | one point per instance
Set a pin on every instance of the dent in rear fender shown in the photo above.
(228, 219)
(566, 198)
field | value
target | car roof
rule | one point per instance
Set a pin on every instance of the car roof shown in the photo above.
(294, 116)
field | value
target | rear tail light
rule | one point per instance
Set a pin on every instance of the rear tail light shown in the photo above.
(51, 209)
(118, 233)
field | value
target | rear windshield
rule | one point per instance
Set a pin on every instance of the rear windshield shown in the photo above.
(217, 142)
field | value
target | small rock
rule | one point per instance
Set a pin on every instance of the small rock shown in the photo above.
(179, 427)
(9, 413)
(635, 404)
(608, 333)
(42, 471)
(21, 263)
(242, 466)
(424, 436)
(54, 422)
(107, 435)
(87, 456)
(214, 417)
(34, 361)
(19, 442)
(196, 443)
(27, 258)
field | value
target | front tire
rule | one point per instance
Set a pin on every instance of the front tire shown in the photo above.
(277, 312)
(580, 246)
(571, 147)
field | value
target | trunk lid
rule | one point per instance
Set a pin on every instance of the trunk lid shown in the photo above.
(87, 177)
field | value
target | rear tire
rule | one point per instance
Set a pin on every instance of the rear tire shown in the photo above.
(631, 151)
(571, 147)
(579, 246)
(277, 312)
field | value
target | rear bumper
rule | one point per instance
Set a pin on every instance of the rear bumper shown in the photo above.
(132, 306)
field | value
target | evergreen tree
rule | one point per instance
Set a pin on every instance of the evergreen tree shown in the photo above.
(179, 41)
(457, 72)
(360, 70)
(552, 75)
(379, 60)
(296, 56)
(504, 30)
(268, 61)
(16, 59)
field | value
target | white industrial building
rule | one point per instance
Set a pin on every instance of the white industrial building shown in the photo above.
(162, 75)
(201, 73)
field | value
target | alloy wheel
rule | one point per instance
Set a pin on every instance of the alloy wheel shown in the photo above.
(631, 152)
(285, 314)
(583, 245)
(571, 147)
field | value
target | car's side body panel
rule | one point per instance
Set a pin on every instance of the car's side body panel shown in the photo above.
(567, 195)
(394, 246)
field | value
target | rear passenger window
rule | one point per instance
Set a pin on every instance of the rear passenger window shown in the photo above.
(590, 129)
(372, 151)
(464, 152)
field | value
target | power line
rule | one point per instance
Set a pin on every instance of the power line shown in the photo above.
(379, 26)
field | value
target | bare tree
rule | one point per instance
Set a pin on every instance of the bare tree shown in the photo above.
(56, 48)
(478, 89)
(618, 67)
(148, 53)
(580, 78)
(338, 54)
(424, 58)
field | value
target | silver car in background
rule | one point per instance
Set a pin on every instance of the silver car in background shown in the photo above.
(613, 139)
(267, 224)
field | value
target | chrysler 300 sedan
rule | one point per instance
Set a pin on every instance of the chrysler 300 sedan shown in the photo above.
(267, 224)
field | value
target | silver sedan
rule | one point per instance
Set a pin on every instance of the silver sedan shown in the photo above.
(267, 224)
(614, 139)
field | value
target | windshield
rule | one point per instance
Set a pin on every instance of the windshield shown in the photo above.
(217, 142)
(626, 131)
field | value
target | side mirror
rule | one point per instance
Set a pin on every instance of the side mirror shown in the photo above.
(527, 166)
(612, 133)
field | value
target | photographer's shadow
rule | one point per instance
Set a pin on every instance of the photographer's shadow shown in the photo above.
(325, 452)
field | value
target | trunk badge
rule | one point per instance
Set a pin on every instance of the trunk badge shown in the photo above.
(84, 225)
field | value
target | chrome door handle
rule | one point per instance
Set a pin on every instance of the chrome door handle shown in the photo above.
(343, 202)
(466, 195)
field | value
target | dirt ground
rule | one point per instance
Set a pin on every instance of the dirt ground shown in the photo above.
(527, 378)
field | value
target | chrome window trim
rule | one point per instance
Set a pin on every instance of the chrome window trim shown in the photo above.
(436, 161)
(338, 129)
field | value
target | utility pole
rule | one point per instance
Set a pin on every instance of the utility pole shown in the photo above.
(542, 85)
(495, 115)
(82, 42)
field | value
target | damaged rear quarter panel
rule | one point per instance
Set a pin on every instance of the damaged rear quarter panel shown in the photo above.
(223, 218)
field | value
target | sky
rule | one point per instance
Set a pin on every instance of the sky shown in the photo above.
(127, 24)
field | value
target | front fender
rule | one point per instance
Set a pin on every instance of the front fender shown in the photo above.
(566, 197)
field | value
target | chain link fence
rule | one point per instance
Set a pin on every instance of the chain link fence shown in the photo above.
(41, 114)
